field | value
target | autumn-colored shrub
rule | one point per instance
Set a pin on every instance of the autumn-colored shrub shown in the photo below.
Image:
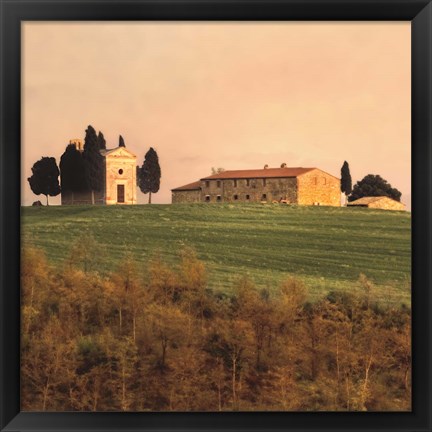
(156, 338)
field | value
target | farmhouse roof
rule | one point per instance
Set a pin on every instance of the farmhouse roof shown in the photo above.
(369, 200)
(191, 186)
(260, 173)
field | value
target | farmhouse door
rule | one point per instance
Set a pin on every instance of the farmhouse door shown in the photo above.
(120, 194)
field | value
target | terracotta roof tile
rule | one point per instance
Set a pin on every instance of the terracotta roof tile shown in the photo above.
(191, 186)
(259, 173)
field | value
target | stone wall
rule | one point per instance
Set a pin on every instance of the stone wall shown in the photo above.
(184, 196)
(254, 190)
(387, 204)
(318, 188)
(312, 188)
(81, 198)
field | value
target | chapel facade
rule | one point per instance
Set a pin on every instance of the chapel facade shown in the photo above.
(119, 179)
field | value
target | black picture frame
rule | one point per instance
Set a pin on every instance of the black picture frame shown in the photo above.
(12, 12)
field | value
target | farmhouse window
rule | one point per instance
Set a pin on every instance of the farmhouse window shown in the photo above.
(207, 198)
(264, 182)
(235, 183)
(218, 184)
(235, 197)
(218, 198)
(207, 183)
(247, 197)
(247, 183)
(264, 197)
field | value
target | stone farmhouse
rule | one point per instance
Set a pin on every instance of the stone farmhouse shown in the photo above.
(379, 202)
(119, 179)
(302, 186)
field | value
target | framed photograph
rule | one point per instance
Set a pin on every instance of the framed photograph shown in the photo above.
(215, 215)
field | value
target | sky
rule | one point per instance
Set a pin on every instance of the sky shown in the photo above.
(237, 95)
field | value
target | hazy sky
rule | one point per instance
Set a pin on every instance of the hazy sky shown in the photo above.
(225, 94)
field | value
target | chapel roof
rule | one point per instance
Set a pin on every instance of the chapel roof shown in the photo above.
(106, 152)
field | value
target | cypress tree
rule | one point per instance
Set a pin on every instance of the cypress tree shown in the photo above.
(72, 171)
(93, 162)
(44, 179)
(101, 141)
(149, 174)
(346, 182)
(121, 142)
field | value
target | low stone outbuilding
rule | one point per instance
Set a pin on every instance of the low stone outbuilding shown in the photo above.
(379, 202)
(302, 186)
(190, 193)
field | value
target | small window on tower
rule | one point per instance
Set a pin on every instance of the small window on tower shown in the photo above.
(324, 180)
(120, 171)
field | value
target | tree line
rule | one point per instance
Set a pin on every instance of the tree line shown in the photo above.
(156, 338)
(83, 171)
(369, 186)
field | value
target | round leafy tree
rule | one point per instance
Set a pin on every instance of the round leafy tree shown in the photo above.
(374, 185)
(44, 179)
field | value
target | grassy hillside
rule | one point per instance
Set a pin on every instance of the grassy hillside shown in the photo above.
(327, 247)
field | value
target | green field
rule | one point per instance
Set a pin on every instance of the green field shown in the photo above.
(326, 247)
